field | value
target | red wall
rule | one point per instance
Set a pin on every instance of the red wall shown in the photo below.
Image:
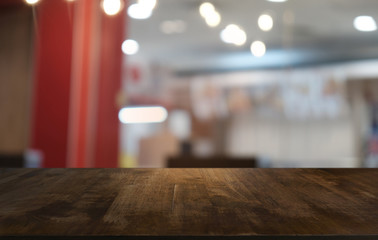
(10, 2)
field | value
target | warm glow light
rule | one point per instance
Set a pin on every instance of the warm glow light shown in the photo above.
(111, 7)
(213, 19)
(142, 115)
(233, 34)
(167, 27)
(130, 47)
(206, 9)
(258, 49)
(31, 2)
(138, 11)
(365, 24)
(265, 22)
(174, 26)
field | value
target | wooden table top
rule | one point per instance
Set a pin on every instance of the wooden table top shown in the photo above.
(189, 203)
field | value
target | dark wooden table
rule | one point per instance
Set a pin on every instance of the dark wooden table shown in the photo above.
(189, 204)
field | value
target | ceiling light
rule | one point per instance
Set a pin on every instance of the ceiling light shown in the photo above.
(213, 19)
(277, 0)
(154, 114)
(130, 47)
(265, 22)
(365, 24)
(31, 2)
(206, 9)
(138, 11)
(258, 49)
(111, 7)
(233, 34)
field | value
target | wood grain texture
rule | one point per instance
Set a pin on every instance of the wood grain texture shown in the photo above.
(146, 203)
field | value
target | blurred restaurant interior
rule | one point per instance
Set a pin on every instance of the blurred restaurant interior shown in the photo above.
(188, 83)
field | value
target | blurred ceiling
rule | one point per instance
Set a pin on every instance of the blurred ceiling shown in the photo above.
(304, 32)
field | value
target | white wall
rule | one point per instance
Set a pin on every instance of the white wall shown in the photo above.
(320, 143)
(312, 142)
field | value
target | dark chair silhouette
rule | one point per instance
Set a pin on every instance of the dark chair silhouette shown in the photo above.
(11, 160)
(188, 161)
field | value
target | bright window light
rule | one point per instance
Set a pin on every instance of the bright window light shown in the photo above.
(138, 11)
(265, 22)
(258, 49)
(31, 2)
(111, 7)
(233, 34)
(365, 24)
(151, 114)
(130, 47)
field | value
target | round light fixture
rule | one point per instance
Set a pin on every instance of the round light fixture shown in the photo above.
(148, 4)
(233, 34)
(213, 19)
(206, 9)
(111, 7)
(31, 2)
(138, 11)
(130, 47)
(258, 49)
(265, 22)
(365, 24)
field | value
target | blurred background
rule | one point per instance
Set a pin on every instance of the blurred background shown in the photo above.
(188, 83)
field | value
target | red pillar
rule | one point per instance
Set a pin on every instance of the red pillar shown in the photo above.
(53, 47)
(107, 146)
(84, 83)
(85, 127)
